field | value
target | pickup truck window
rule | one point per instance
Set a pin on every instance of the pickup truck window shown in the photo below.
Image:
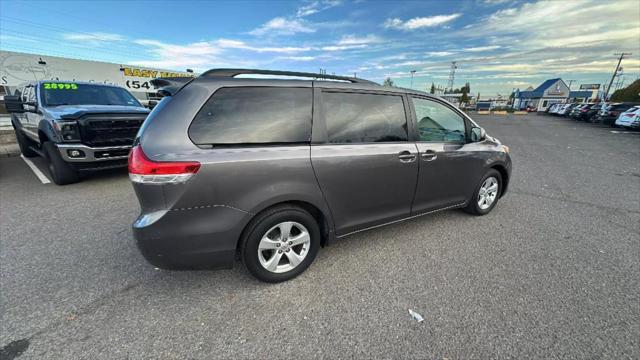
(86, 94)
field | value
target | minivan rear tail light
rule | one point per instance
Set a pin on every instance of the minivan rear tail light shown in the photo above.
(146, 171)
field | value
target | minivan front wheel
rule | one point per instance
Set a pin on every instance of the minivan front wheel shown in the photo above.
(487, 194)
(281, 243)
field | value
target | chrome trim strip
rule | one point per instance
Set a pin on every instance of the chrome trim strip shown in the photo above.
(401, 220)
(90, 152)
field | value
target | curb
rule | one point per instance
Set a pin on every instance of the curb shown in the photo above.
(9, 150)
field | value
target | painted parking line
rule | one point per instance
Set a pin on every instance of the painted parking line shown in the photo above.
(625, 132)
(42, 177)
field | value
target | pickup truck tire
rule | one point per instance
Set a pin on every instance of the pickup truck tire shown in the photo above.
(24, 143)
(62, 173)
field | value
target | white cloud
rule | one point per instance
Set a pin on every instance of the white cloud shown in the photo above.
(495, 2)
(236, 44)
(179, 56)
(298, 58)
(205, 54)
(283, 26)
(343, 47)
(543, 44)
(316, 6)
(410, 63)
(439, 53)
(482, 48)
(419, 22)
(542, 24)
(93, 37)
(18, 39)
(354, 40)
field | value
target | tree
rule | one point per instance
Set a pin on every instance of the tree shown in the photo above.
(388, 82)
(433, 88)
(629, 94)
(464, 99)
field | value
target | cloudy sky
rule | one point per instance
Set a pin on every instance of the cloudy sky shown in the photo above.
(498, 44)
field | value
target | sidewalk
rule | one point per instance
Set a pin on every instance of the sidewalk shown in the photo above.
(9, 150)
(8, 146)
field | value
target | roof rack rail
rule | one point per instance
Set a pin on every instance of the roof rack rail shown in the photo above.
(235, 72)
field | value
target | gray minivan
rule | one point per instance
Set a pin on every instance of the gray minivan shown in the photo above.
(270, 170)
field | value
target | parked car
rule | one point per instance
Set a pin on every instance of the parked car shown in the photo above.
(76, 126)
(610, 114)
(583, 113)
(273, 169)
(566, 109)
(553, 109)
(630, 118)
(576, 111)
(592, 114)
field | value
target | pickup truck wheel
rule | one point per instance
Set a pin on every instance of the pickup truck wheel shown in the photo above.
(62, 173)
(486, 195)
(280, 243)
(24, 143)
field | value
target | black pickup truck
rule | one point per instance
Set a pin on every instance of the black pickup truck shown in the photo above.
(76, 126)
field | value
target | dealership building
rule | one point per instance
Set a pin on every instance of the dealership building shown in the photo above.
(551, 92)
(18, 68)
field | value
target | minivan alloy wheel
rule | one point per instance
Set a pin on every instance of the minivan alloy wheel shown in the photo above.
(284, 246)
(488, 193)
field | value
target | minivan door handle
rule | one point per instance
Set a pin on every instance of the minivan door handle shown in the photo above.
(429, 155)
(406, 156)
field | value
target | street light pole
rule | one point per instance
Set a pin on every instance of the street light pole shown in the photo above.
(622, 55)
(412, 72)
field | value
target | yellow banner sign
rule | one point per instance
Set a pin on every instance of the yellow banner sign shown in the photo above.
(145, 73)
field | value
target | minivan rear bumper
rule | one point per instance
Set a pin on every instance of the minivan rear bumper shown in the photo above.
(203, 237)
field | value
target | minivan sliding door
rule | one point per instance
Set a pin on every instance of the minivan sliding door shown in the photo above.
(364, 163)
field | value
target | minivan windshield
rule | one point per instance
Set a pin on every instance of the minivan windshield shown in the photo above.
(57, 94)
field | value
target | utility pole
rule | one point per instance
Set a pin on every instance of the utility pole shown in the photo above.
(570, 82)
(622, 55)
(412, 72)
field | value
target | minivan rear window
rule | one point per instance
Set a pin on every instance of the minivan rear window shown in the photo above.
(364, 118)
(254, 115)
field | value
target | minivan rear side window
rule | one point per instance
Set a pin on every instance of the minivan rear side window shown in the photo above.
(364, 118)
(254, 115)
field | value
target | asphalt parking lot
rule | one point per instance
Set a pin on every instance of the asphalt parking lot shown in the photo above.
(552, 272)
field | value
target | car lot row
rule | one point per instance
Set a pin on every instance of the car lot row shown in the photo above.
(626, 115)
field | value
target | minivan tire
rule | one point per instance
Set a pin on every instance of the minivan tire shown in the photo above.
(473, 207)
(62, 173)
(259, 227)
(24, 144)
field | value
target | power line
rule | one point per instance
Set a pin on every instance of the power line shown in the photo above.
(117, 52)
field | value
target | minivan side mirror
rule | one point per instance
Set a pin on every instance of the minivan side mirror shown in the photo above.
(478, 134)
(14, 104)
